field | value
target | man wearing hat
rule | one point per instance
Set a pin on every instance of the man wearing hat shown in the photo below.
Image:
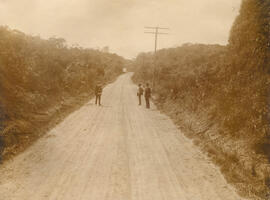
(147, 95)
(98, 92)
(140, 93)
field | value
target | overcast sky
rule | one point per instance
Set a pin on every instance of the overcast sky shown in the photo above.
(119, 24)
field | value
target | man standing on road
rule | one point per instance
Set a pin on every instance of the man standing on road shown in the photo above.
(140, 93)
(98, 92)
(147, 95)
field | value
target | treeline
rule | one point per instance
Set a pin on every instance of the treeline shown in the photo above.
(220, 96)
(41, 78)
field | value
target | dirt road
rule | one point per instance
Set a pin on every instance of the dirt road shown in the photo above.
(119, 151)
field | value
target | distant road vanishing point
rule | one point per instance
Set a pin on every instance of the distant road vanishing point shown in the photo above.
(119, 151)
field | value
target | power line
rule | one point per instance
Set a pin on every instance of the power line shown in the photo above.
(156, 33)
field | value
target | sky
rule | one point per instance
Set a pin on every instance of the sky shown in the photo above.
(120, 24)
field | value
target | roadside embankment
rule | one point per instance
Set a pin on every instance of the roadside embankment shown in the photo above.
(41, 81)
(219, 96)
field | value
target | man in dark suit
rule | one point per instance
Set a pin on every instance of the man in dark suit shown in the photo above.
(98, 92)
(147, 95)
(140, 93)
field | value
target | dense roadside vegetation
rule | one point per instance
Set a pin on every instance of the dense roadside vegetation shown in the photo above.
(43, 80)
(219, 96)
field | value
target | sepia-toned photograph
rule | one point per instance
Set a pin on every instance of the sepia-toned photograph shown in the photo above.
(135, 100)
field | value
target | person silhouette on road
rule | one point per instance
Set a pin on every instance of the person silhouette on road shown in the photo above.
(140, 93)
(147, 95)
(98, 92)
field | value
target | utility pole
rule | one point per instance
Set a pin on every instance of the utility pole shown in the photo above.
(155, 31)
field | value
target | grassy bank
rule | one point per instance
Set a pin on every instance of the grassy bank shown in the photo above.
(41, 81)
(219, 96)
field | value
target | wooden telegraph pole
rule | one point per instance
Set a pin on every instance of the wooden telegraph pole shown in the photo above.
(155, 31)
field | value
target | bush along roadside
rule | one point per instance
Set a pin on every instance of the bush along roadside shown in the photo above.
(42, 81)
(223, 116)
(219, 96)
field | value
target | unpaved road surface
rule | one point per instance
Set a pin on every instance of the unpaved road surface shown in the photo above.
(119, 151)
